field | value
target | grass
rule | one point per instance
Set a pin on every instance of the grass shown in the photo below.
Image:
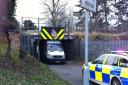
(15, 55)
(104, 36)
(44, 77)
(3, 48)
(94, 35)
(101, 36)
(26, 71)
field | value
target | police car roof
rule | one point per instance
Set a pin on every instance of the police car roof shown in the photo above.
(119, 55)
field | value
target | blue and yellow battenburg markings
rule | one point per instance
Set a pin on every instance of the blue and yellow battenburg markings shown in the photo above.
(46, 35)
(104, 73)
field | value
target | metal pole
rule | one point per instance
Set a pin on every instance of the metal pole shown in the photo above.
(22, 21)
(38, 24)
(68, 27)
(22, 25)
(38, 41)
(86, 69)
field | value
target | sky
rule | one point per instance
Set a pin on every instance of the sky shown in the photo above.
(34, 8)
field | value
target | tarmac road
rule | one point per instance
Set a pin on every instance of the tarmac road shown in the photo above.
(70, 72)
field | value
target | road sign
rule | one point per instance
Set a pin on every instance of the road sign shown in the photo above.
(89, 4)
(52, 33)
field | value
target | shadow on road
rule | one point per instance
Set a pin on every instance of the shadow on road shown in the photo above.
(92, 83)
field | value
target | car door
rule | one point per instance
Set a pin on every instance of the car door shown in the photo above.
(123, 63)
(109, 67)
(96, 68)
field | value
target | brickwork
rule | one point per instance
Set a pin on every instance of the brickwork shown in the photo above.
(14, 39)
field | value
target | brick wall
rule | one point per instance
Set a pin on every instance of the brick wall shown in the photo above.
(13, 35)
(14, 39)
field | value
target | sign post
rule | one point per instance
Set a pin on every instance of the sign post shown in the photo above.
(89, 5)
(86, 68)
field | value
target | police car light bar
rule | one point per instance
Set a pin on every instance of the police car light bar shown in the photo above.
(120, 51)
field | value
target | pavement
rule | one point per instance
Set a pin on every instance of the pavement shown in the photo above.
(70, 72)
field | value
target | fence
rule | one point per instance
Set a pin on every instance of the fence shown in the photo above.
(100, 47)
(68, 23)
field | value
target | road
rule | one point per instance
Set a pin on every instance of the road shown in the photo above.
(70, 72)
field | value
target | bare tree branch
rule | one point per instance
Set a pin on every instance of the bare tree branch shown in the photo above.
(48, 7)
(56, 10)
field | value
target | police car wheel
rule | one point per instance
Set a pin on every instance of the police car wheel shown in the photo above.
(115, 82)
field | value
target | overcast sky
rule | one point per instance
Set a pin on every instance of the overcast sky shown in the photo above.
(34, 8)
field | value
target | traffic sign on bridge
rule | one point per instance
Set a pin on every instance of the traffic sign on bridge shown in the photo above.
(89, 5)
(52, 33)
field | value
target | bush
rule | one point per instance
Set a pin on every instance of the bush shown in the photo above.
(3, 48)
(104, 36)
(15, 56)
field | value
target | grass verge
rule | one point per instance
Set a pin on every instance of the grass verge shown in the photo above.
(40, 77)
(25, 71)
(3, 48)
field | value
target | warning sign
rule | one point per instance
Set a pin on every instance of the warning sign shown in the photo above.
(52, 33)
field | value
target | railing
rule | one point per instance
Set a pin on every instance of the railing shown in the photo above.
(97, 48)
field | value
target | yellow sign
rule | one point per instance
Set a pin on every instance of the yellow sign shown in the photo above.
(51, 33)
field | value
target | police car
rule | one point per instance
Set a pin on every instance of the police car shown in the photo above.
(109, 69)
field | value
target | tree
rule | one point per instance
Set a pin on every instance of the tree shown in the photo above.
(29, 25)
(11, 23)
(107, 11)
(122, 10)
(102, 13)
(113, 10)
(55, 12)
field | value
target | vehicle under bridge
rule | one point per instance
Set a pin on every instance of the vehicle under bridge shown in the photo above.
(33, 44)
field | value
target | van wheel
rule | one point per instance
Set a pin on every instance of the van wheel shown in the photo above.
(115, 81)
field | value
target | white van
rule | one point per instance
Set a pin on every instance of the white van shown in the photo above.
(55, 51)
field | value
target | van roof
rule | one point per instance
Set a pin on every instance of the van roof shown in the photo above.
(58, 42)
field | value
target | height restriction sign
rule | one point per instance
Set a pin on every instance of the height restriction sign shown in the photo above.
(52, 33)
